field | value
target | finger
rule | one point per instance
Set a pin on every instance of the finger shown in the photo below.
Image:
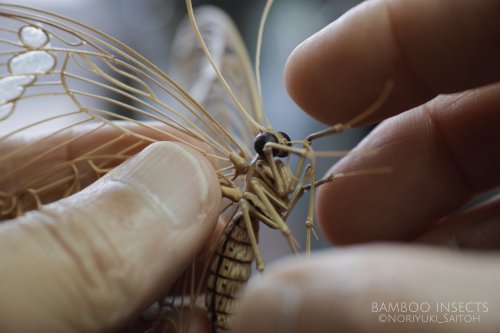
(441, 154)
(345, 290)
(50, 163)
(476, 228)
(52, 149)
(426, 47)
(198, 269)
(90, 262)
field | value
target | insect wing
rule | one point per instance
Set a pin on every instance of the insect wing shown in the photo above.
(193, 71)
(63, 87)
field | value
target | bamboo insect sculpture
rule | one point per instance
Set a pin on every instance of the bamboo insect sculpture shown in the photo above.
(107, 90)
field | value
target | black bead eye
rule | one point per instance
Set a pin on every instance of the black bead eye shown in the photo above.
(261, 140)
(286, 137)
(283, 153)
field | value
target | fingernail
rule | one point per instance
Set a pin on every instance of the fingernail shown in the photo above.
(176, 179)
(269, 306)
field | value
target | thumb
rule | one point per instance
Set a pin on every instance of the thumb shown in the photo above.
(90, 262)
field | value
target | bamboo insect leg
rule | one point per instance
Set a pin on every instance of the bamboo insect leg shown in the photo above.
(278, 179)
(299, 192)
(310, 213)
(338, 128)
(382, 98)
(275, 216)
(245, 209)
(302, 154)
(334, 176)
(293, 150)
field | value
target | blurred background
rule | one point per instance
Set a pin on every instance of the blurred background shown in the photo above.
(149, 25)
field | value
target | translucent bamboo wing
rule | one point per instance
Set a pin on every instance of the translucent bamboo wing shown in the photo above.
(193, 71)
(62, 85)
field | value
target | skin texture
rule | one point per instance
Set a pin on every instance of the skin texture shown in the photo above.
(95, 260)
(440, 137)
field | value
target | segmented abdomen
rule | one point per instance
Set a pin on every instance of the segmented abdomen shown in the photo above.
(230, 269)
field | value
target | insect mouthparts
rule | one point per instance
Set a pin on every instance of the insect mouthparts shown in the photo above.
(280, 138)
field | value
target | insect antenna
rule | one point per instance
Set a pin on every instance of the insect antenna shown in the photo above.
(260, 35)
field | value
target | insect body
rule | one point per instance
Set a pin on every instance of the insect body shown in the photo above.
(265, 198)
(229, 271)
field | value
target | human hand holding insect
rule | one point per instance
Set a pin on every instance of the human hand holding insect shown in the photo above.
(442, 152)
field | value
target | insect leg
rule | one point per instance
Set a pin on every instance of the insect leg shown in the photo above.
(245, 209)
(334, 176)
(299, 191)
(278, 179)
(362, 116)
(258, 188)
(294, 150)
(303, 155)
(310, 213)
(338, 128)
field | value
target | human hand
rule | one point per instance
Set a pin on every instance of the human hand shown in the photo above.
(93, 261)
(442, 152)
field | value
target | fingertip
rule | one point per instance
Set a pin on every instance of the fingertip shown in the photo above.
(270, 302)
(316, 294)
(348, 290)
(439, 154)
(294, 74)
(174, 176)
(368, 207)
(180, 196)
(341, 70)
